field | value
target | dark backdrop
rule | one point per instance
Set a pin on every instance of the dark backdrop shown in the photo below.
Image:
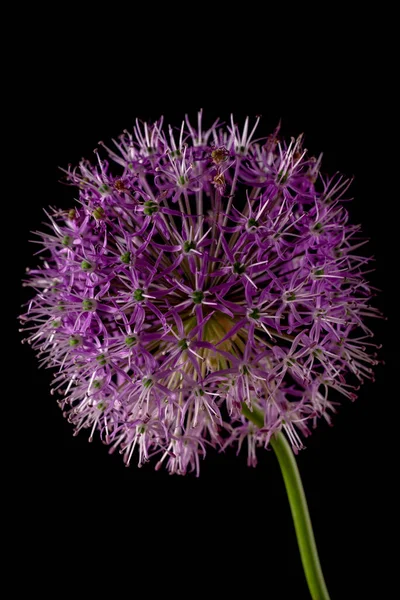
(229, 531)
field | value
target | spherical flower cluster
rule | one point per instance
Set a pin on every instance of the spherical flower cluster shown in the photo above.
(201, 272)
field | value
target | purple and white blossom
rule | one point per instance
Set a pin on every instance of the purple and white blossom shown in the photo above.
(200, 271)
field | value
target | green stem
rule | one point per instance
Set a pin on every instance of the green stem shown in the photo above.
(298, 506)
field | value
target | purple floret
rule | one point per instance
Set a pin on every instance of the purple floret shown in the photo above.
(201, 270)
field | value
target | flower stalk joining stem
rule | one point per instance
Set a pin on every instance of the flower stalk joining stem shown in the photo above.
(298, 506)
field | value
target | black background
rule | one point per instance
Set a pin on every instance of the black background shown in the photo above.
(230, 530)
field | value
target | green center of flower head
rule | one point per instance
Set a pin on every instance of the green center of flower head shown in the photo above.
(283, 176)
(188, 246)
(67, 240)
(198, 297)
(85, 265)
(104, 189)
(182, 179)
(215, 329)
(147, 382)
(150, 208)
(252, 223)
(254, 314)
(126, 258)
(138, 295)
(239, 268)
(74, 340)
(98, 213)
(101, 359)
(89, 304)
(130, 340)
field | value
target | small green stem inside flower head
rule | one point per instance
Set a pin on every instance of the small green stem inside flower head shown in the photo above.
(101, 359)
(183, 344)
(74, 340)
(126, 258)
(138, 295)
(104, 189)
(254, 314)
(67, 240)
(89, 304)
(188, 246)
(252, 223)
(86, 265)
(298, 506)
(198, 297)
(150, 208)
(98, 213)
(147, 382)
(182, 180)
(130, 340)
(239, 268)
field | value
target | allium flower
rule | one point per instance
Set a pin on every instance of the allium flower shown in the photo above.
(203, 276)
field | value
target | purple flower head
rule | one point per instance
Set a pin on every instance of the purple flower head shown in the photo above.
(200, 272)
